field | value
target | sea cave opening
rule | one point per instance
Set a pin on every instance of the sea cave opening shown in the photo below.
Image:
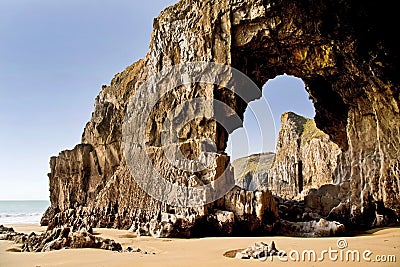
(253, 147)
(284, 93)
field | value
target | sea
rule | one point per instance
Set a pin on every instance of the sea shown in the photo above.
(22, 211)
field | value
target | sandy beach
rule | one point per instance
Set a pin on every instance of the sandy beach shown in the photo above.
(383, 244)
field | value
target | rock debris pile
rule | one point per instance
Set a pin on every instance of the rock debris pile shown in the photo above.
(260, 251)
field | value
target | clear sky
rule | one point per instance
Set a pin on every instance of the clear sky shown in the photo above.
(54, 57)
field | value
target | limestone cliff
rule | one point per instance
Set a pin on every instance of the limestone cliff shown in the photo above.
(342, 50)
(305, 157)
(251, 172)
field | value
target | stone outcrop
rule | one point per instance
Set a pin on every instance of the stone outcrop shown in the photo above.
(325, 198)
(58, 238)
(259, 251)
(312, 228)
(238, 212)
(8, 233)
(300, 175)
(305, 157)
(342, 50)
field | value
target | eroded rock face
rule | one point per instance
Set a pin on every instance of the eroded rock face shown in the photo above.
(305, 157)
(343, 53)
(347, 59)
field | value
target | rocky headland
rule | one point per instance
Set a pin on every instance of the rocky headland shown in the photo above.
(345, 174)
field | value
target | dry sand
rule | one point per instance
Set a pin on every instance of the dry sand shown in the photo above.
(205, 251)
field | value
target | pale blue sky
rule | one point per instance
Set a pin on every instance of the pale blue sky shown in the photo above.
(54, 57)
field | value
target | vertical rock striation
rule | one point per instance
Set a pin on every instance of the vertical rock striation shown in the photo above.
(342, 50)
(305, 157)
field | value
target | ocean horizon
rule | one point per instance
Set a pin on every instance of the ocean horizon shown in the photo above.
(22, 211)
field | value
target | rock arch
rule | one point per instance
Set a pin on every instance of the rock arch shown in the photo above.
(323, 43)
(341, 49)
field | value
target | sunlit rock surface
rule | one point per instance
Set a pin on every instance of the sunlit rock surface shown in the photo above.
(343, 51)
